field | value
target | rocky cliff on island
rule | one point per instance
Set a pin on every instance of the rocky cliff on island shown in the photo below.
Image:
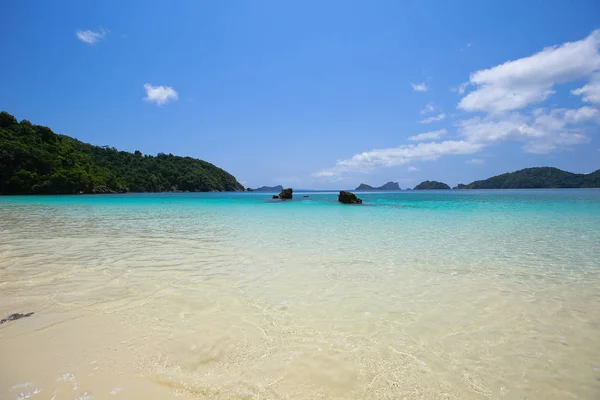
(388, 186)
(286, 194)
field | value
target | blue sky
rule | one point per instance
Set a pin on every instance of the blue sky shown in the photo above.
(316, 94)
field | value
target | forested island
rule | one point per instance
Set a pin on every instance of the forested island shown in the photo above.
(35, 160)
(537, 178)
(388, 186)
(431, 185)
(277, 188)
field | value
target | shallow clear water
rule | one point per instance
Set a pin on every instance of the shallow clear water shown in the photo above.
(458, 295)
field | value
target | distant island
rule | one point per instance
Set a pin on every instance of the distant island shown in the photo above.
(35, 160)
(387, 186)
(537, 178)
(431, 185)
(277, 188)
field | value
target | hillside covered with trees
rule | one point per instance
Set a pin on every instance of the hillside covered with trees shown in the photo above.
(388, 186)
(431, 185)
(35, 160)
(537, 178)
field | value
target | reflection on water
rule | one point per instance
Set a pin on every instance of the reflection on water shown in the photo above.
(458, 296)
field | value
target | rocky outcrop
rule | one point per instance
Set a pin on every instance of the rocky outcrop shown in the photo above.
(348, 198)
(286, 194)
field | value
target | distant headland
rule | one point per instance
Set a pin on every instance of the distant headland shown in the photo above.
(35, 160)
(277, 188)
(528, 178)
(537, 178)
(388, 186)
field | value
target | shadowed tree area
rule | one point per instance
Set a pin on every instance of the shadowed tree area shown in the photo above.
(35, 160)
(537, 178)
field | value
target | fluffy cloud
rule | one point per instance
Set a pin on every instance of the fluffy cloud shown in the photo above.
(435, 118)
(420, 87)
(428, 135)
(160, 94)
(590, 92)
(541, 132)
(517, 84)
(90, 37)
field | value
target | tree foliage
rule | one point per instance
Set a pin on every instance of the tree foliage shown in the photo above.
(35, 160)
(431, 185)
(537, 178)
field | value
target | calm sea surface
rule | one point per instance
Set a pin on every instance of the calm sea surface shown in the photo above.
(415, 295)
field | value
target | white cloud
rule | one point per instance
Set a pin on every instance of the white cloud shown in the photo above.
(428, 135)
(160, 94)
(412, 169)
(436, 118)
(420, 87)
(461, 89)
(90, 37)
(590, 92)
(477, 161)
(400, 155)
(542, 132)
(429, 107)
(517, 84)
(504, 95)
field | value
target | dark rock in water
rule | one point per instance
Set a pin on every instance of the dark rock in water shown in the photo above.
(348, 198)
(286, 194)
(306, 197)
(275, 197)
(13, 317)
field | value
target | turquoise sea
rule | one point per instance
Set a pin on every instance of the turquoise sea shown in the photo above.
(433, 295)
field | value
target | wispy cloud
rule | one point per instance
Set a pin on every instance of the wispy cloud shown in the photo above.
(90, 37)
(400, 155)
(460, 89)
(435, 118)
(160, 94)
(466, 46)
(429, 108)
(412, 169)
(420, 87)
(477, 161)
(428, 135)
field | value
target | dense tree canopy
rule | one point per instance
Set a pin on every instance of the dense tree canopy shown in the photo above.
(33, 159)
(431, 185)
(537, 178)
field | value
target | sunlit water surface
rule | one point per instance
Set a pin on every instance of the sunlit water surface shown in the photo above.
(434, 295)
